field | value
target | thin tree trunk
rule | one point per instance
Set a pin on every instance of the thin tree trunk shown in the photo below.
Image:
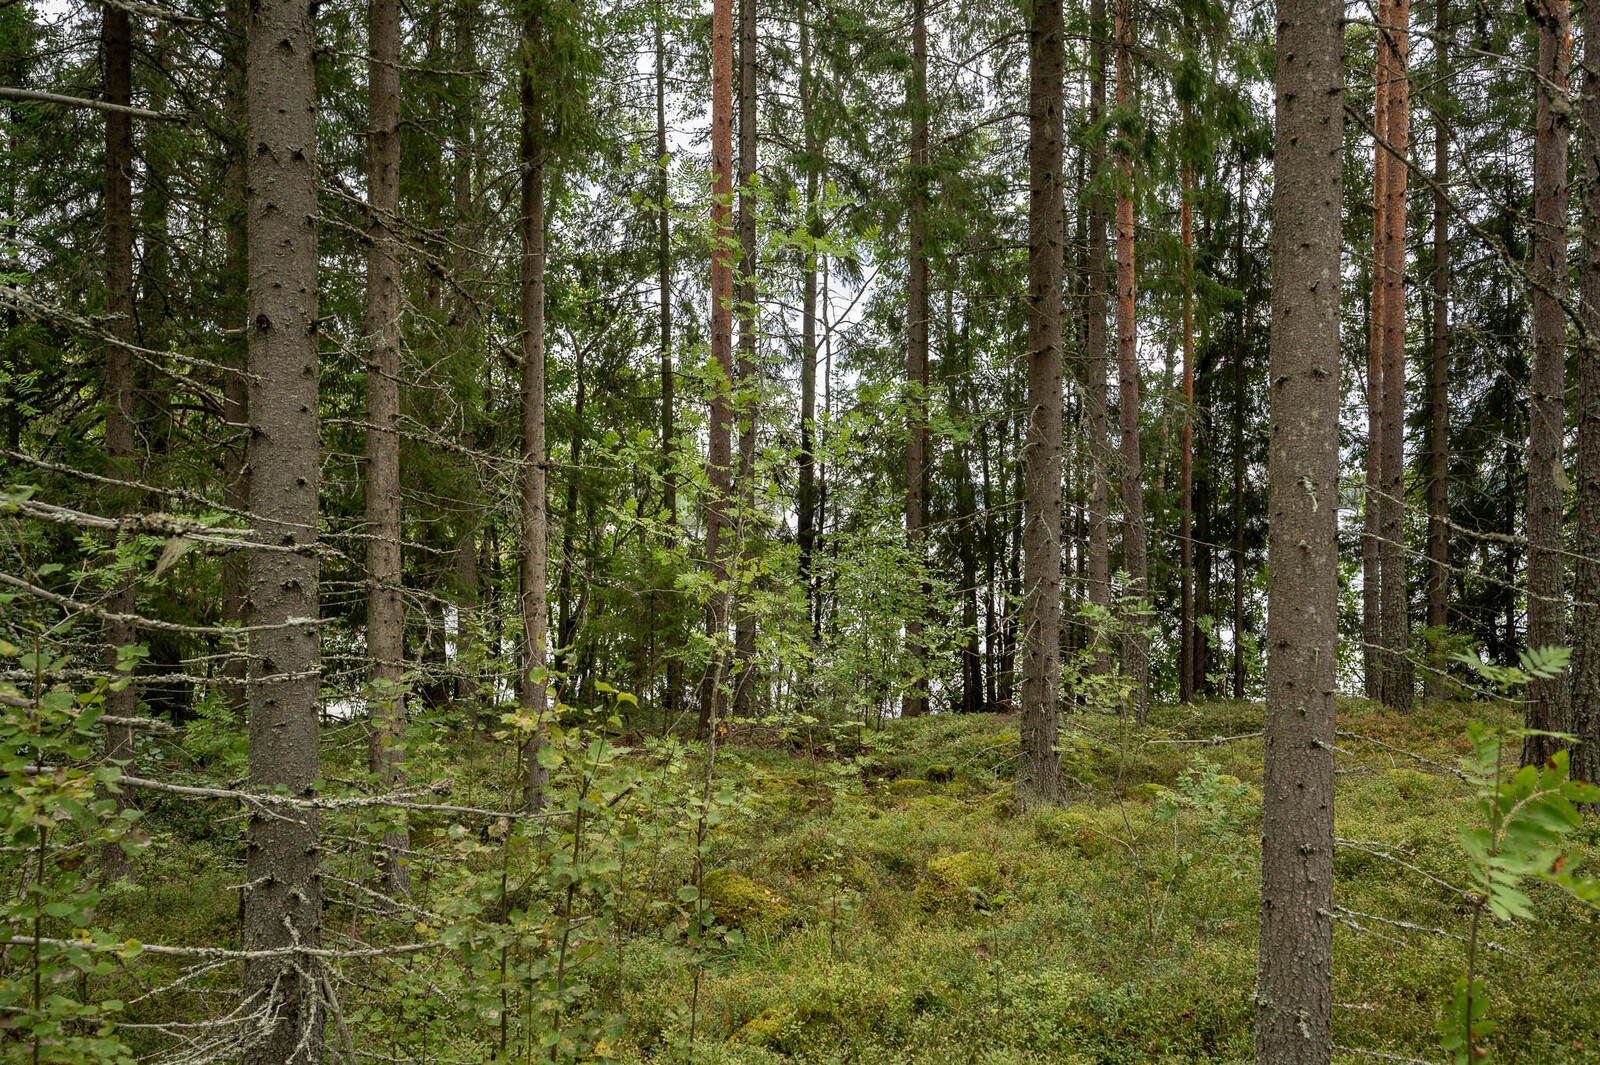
(1240, 351)
(1371, 579)
(805, 502)
(283, 893)
(1095, 363)
(915, 701)
(1186, 685)
(117, 45)
(235, 390)
(469, 609)
(533, 657)
(719, 446)
(1439, 364)
(669, 478)
(749, 381)
(1547, 610)
(386, 703)
(1294, 982)
(1399, 678)
(1135, 644)
(1038, 781)
(1584, 722)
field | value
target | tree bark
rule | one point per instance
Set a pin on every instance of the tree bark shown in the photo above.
(1372, 509)
(749, 381)
(117, 44)
(1186, 680)
(1584, 722)
(1095, 390)
(1294, 982)
(283, 891)
(1399, 679)
(1038, 781)
(386, 702)
(719, 445)
(235, 388)
(669, 476)
(806, 496)
(1547, 609)
(1135, 644)
(1439, 364)
(915, 701)
(532, 690)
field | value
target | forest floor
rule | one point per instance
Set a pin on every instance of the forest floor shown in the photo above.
(891, 906)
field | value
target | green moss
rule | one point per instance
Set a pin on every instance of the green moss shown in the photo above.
(940, 774)
(907, 787)
(738, 901)
(946, 883)
(1152, 792)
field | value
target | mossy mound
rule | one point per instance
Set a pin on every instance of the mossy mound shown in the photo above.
(948, 881)
(739, 901)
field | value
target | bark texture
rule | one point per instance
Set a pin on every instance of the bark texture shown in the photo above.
(749, 381)
(1186, 675)
(915, 701)
(1135, 644)
(1439, 360)
(719, 444)
(1371, 517)
(1294, 983)
(117, 44)
(386, 703)
(1547, 608)
(283, 892)
(1584, 718)
(1095, 367)
(532, 690)
(1038, 780)
(1398, 676)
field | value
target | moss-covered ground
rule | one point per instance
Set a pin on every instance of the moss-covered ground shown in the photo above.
(890, 904)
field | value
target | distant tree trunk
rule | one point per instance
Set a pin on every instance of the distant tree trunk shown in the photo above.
(566, 620)
(749, 381)
(469, 616)
(117, 45)
(1439, 365)
(1241, 351)
(719, 445)
(1294, 982)
(283, 892)
(533, 655)
(1186, 676)
(915, 701)
(669, 479)
(1038, 781)
(1135, 644)
(1371, 578)
(386, 704)
(1399, 680)
(1095, 390)
(806, 501)
(1547, 609)
(1584, 722)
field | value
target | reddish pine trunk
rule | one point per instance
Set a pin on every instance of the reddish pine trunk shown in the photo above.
(915, 701)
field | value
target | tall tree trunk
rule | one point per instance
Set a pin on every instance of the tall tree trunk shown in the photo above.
(1095, 390)
(1547, 608)
(1439, 364)
(1584, 720)
(1135, 644)
(1038, 781)
(1399, 678)
(533, 655)
(669, 478)
(1241, 349)
(283, 892)
(1372, 509)
(469, 616)
(1186, 685)
(1294, 981)
(566, 619)
(235, 388)
(117, 44)
(806, 497)
(719, 445)
(915, 701)
(749, 381)
(386, 704)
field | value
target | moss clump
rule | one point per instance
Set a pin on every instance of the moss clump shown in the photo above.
(946, 883)
(940, 774)
(1091, 835)
(1152, 792)
(738, 901)
(1413, 785)
(907, 787)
